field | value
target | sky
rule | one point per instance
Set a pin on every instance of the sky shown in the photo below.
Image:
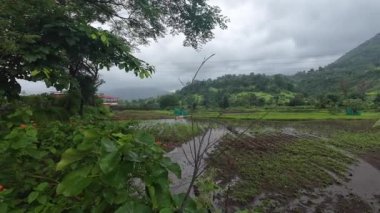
(263, 36)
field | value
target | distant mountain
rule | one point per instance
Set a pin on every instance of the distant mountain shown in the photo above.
(134, 93)
(356, 71)
(365, 56)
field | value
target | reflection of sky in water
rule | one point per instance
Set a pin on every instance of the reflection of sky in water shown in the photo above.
(164, 121)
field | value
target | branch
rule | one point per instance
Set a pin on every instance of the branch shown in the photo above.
(200, 67)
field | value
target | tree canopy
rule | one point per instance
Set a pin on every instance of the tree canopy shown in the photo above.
(59, 40)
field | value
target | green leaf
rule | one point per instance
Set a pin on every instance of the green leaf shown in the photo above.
(43, 199)
(70, 41)
(42, 186)
(68, 157)
(3, 207)
(74, 183)
(36, 154)
(110, 161)
(133, 156)
(121, 66)
(90, 137)
(33, 196)
(173, 167)
(35, 73)
(104, 39)
(144, 137)
(21, 138)
(190, 204)
(152, 196)
(166, 210)
(108, 145)
(132, 207)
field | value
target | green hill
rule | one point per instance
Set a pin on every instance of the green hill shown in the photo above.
(355, 75)
(239, 90)
(365, 56)
(358, 71)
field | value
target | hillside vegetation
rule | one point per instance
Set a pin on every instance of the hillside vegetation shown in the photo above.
(355, 77)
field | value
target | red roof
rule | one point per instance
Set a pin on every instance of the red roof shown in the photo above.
(107, 97)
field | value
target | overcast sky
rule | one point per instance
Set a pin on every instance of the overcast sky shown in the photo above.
(264, 36)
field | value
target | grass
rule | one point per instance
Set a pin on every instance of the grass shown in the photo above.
(249, 114)
(287, 116)
(143, 114)
(283, 165)
(170, 135)
(289, 167)
(357, 143)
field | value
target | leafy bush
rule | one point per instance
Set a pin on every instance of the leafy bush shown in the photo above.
(82, 165)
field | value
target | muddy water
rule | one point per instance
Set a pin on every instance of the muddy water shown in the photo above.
(182, 155)
(358, 194)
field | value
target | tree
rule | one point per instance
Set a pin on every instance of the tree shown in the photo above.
(168, 101)
(224, 102)
(376, 101)
(56, 41)
(298, 100)
(354, 104)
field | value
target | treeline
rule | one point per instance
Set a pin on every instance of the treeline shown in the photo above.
(351, 81)
(257, 90)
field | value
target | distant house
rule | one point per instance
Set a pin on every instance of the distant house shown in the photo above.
(57, 94)
(109, 100)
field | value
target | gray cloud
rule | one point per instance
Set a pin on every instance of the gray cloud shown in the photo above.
(264, 36)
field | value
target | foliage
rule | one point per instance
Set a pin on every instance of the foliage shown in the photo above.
(240, 90)
(277, 163)
(281, 165)
(168, 102)
(224, 103)
(56, 41)
(170, 135)
(376, 101)
(82, 165)
(357, 142)
(298, 100)
(283, 115)
(356, 71)
(354, 104)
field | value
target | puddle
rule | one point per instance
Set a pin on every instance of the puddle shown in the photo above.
(359, 194)
(164, 121)
(183, 154)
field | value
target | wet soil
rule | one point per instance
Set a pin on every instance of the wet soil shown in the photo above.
(358, 191)
(358, 194)
(183, 156)
(372, 158)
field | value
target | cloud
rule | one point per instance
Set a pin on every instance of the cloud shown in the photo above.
(264, 36)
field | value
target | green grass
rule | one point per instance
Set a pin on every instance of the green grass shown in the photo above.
(143, 114)
(172, 135)
(284, 167)
(249, 114)
(357, 143)
(294, 166)
(275, 115)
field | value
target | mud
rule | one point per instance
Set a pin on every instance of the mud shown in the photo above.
(358, 194)
(184, 157)
(358, 191)
(372, 158)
